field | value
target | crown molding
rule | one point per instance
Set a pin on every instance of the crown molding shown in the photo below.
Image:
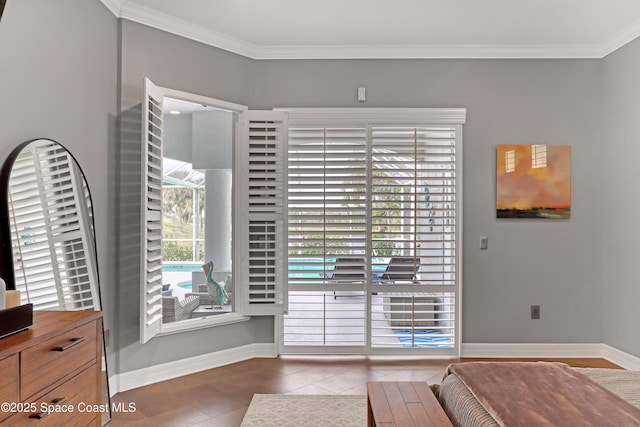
(114, 6)
(619, 39)
(426, 52)
(162, 21)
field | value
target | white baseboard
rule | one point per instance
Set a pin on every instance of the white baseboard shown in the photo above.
(529, 350)
(113, 385)
(153, 374)
(166, 371)
(620, 358)
(526, 350)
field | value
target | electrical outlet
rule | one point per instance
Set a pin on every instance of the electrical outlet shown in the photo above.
(535, 311)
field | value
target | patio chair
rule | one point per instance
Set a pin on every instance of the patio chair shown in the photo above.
(400, 269)
(203, 294)
(174, 310)
(350, 272)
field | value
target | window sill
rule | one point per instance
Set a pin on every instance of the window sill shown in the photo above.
(201, 323)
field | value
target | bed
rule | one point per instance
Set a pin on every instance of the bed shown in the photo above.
(490, 394)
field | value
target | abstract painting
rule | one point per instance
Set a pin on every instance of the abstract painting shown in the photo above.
(533, 181)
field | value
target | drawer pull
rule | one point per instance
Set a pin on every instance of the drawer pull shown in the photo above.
(55, 402)
(72, 342)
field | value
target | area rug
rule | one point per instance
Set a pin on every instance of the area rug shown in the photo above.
(290, 410)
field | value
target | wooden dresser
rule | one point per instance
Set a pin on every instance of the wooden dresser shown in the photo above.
(50, 375)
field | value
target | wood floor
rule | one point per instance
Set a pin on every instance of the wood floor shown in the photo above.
(220, 397)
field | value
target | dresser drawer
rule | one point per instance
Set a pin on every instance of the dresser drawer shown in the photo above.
(8, 382)
(79, 389)
(48, 362)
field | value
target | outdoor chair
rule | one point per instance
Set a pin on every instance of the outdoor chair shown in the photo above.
(348, 270)
(203, 294)
(174, 310)
(400, 270)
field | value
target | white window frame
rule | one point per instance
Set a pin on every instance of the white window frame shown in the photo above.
(239, 200)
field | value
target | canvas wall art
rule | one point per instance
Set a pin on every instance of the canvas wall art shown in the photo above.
(533, 181)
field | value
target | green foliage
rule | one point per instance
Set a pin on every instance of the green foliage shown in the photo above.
(174, 251)
(177, 223)
(383, 249)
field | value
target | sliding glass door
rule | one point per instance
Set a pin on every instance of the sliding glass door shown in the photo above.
(373, 239)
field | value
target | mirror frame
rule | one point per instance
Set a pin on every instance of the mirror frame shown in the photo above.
(6, 249)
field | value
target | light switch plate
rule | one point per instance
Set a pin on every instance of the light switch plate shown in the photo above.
(484, 242)
(362, 96)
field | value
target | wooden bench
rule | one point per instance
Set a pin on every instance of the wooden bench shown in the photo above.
(403, 404)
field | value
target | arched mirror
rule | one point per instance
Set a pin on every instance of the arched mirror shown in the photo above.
(48, 233)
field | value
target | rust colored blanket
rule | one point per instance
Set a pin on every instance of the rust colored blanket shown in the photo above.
(541, 394)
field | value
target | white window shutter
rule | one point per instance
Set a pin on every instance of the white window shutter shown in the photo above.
(327, 205)
(151, 217)
(51, 230)
(264, 175)
(417, 167)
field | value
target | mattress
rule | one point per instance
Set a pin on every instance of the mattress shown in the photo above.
(465, 411)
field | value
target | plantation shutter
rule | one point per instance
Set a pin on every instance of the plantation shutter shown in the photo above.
(416, 168)
(151, 218)
(374, 209)
(265, 174)
(327, 205)
(51, 230)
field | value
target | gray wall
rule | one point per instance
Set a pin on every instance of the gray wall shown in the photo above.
(554, 264)
(58, 80)
(185, 65)
(621, 199)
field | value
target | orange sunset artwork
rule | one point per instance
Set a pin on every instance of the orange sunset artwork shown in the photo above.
(533, 181)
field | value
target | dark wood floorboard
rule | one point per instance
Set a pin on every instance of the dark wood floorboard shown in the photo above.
(219, 397)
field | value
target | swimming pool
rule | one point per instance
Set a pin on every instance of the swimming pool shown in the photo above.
(181, 267)
(299, 268)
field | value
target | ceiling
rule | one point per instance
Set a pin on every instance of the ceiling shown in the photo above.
(282, 29)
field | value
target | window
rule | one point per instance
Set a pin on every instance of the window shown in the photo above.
(374, 214)
(538, 156)
(195, 219)
(188, 211)
(327, 204)
(368, 193)
(510, 161)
